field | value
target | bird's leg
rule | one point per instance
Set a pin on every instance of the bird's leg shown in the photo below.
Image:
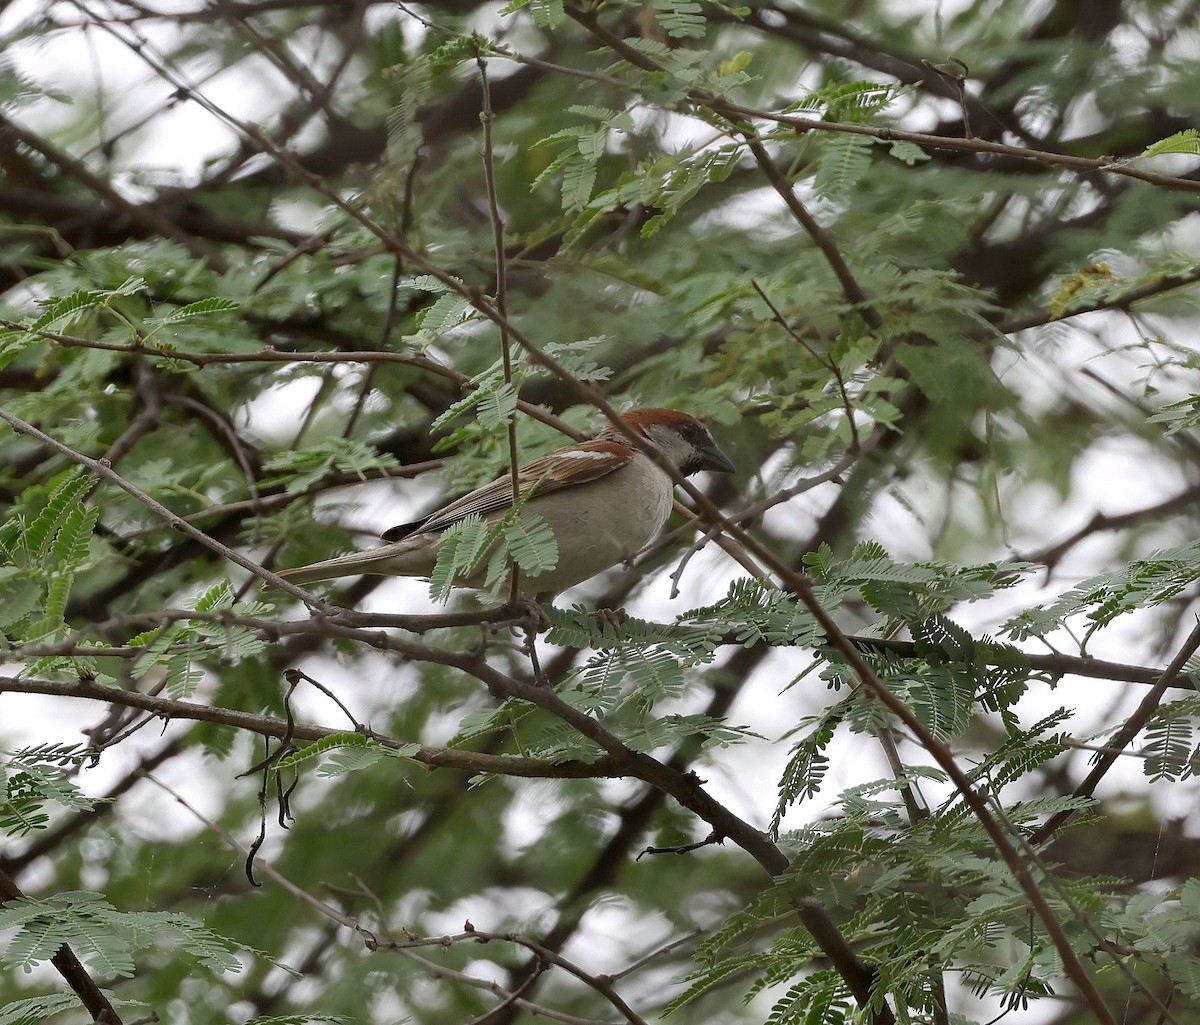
(614, 619)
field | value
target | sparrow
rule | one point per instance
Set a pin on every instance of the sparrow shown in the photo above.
(603, 499)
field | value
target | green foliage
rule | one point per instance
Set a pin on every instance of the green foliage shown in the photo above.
(1179, 416)
(298, 471)
(808, 763)
(1171, 743)
(1187, 141)
(44, 551)
(579, 159)
(65, 310)
(350, 752)
(37, 1009)
(301, 1019)
(34, 777)
(900, 370)
(755, 613)
(104, 938)
(1143, 583)
(817, 999)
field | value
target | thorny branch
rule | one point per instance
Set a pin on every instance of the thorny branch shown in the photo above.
(1054, 664)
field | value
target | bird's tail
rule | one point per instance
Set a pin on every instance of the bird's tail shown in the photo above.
(385, 561)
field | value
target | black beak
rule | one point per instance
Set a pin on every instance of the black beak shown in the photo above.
(712, 458)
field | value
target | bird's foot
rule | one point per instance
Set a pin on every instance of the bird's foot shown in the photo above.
(534, 617)
(614, 619)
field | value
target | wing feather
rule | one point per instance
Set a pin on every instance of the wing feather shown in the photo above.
(587, 461)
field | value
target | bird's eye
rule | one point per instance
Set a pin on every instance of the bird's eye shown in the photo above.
(691, 431)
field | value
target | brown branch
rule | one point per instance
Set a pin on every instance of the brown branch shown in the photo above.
(1084, 165)
(470, 934)
(802, 587)
(147, 215)
(370, 939)
(737, 111)
(1123, 737)
(687, 790)
(269, 726)
(1099, 522)
(487, 117)
(349, 625)
(273, 355)
(822, 236)
(828, 362)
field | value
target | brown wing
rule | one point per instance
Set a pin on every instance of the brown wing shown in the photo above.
(577, 464)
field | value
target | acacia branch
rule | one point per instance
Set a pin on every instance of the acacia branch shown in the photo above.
(1119, 301)
(358, 626)
(1100, 522)
(727, 108)
(1124, 736)
(102, 469)
(69, 967)
(821, 236)
(269, 354)
(270, 726)
(601, 984)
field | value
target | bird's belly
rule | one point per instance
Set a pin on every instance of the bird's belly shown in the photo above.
(602, 523)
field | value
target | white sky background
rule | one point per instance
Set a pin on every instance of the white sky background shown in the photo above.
(1112, 478)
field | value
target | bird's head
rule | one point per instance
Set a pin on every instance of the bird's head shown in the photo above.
(680, 437)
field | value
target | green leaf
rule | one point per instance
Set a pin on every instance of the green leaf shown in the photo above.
(33, 1010)
(845, 161)
(183, 675)
(1186, 141)
(216, 598)
(66, 497)
(531, 543)
(683, 19)
(201, 308)
(461, 549)
(448, 311)
(496, 406)
(907, 152)
(70, 546)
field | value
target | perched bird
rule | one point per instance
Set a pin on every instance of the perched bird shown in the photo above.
(603, 499)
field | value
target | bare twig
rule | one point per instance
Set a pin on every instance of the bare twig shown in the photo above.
(269, 726)
(601, 984)
(855, 295)
(372, 941)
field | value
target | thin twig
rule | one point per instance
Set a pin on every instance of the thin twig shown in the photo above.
(828, 362)
(359, 626)
(1123, 737)
(270, 726)
(372, 941)
(102, 469)
(487, 117)
(822, 236)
